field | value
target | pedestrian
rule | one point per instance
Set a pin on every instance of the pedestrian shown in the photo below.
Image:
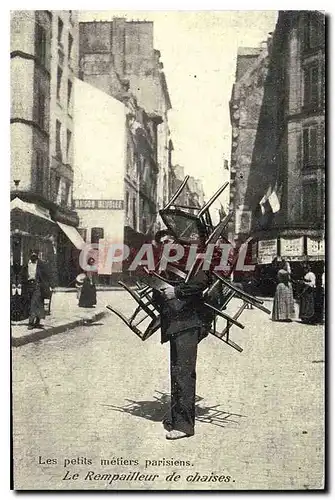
(88, 294)
(183, 320)
(307, 311)
(79, 284)
(286, 266)
(319, 298)
(283, 304)
(38, 285)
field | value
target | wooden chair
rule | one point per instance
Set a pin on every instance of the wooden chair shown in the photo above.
(47, 304)
(188, 228)
(144, 312)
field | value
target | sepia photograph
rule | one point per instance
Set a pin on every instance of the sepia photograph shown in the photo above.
(167, 250)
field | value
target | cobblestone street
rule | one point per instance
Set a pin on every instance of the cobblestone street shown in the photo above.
(98, 392)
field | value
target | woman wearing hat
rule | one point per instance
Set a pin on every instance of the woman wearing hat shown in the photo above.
(308, 311)
(283, 304)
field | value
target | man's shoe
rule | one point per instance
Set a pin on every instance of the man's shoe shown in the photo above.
(31, 327)
(167, 424)
(174, 434)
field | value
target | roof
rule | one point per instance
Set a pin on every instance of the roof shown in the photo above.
(248, 51)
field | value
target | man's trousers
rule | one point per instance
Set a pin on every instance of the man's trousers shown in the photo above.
(183, 357)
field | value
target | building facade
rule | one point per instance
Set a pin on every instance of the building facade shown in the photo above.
(278, 150)
(119, 58)
(100, 152)
(38, 103)
(245, 106)
(193, 193)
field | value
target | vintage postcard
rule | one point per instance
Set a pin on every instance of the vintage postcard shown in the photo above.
(167, 285)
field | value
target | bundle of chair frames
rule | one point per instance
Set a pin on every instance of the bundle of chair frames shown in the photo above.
(189, 224)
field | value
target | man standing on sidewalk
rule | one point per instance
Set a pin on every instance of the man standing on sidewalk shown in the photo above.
(182, 323)
(37, 280)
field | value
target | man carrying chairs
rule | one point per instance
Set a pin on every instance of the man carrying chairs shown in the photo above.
(182, 314)
(184, 301)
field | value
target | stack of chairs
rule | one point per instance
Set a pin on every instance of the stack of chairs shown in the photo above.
(189, 225)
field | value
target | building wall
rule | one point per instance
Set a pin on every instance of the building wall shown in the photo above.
(30, 81)
(119, 57)
(246, 107)
(64, 68)
(100, 145)
(306, 113)
(282, 148)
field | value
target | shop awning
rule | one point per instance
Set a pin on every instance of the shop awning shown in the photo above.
(30, 208)
(73, 235)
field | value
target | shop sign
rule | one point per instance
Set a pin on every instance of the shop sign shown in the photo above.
(99, 204)
(292, 247)
(315, 248)
(267, 251)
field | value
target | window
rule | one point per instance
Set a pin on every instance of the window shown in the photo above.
(69, 94)
(134, 214)
(60, 31)
(322, 204)
(323, 83)
(97, 233)
(310, 146)
(129, 157)
(322, 144)
(41, 44)
(39, 172)
(313, 33)
(59, 81)
(70, 45)
(127, 203)
(311, 86)
(67, 192)
(41, 104)
(68, 145)
(58, 140)
(57, 189)
(309, 201)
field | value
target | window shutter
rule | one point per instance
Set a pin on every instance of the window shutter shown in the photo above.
(305, 147)
(321, 145)
(313, 146)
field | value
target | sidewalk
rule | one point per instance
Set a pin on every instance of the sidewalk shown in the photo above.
(65, 315)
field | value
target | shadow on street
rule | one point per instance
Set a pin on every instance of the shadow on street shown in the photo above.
(158, 410)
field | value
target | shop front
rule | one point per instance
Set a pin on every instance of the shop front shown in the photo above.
(69, 245)
(294, 248)
(36, 227)
(31, 228)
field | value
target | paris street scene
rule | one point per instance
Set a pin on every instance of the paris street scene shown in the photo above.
(167, 274)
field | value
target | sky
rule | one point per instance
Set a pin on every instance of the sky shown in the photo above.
(198, 51)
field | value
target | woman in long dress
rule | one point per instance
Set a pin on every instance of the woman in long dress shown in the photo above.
(308, 312)
(283, 304)
(88, 293)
